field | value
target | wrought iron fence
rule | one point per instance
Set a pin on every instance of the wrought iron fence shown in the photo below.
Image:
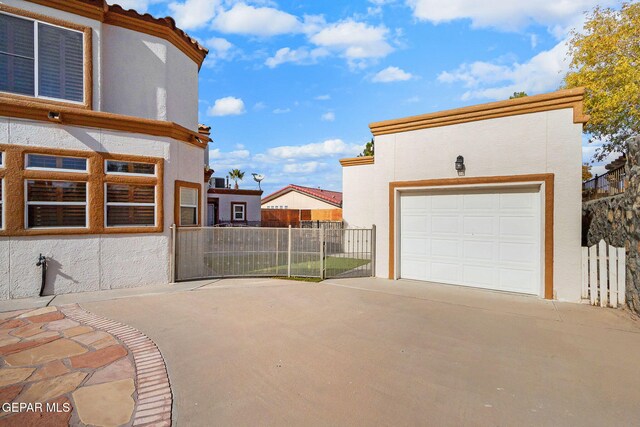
(605, 185)
(212, 252)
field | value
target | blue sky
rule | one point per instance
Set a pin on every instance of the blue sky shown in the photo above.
(290, 87)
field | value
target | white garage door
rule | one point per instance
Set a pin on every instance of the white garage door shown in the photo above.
(481, 239)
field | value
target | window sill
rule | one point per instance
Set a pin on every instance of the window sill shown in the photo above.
(43, 102)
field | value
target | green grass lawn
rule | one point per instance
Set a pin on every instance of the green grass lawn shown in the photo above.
(265, 265)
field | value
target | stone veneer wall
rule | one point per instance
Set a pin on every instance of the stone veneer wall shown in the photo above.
(617, 220)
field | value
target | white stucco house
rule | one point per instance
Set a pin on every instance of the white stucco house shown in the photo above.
(228, 206)
(99, 145)
(486, 196)
(299, 197)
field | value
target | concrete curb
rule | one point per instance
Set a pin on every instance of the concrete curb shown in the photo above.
(154, 397)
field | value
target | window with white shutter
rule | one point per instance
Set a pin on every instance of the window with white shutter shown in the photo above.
(40, 59)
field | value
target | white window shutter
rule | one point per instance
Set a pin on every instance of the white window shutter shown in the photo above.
(60, 63)
(16, 55)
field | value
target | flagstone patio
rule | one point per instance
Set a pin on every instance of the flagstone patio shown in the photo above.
(66, 366)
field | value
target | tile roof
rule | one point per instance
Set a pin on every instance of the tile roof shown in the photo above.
(332, 197)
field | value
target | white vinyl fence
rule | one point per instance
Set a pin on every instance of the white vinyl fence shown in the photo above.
(604, 275)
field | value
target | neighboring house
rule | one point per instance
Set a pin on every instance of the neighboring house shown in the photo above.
(299, 197)
(99, 145)
(485, 196)
(293, 204)
(228, 206)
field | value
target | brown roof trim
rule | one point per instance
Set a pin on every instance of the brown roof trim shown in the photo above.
(115, 15)
(569, 98)
(36, 110)
(234, 191)
(357, 161)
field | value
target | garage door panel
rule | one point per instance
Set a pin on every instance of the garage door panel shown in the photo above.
(415, 269)
(416, 223)
(519, 226)
(483, 239)
(445, 202)
(478, 275)
(415, 202)
(479, 202)
(478, 225)
(415, 247)
(445, 248)
(478, 250)
(523, 281)
(523, 253)
(445, 225)
(517, 201)
(445, 272)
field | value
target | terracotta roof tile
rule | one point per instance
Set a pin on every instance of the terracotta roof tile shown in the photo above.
(332, 197)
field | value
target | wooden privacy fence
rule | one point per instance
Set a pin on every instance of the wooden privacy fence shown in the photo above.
(604, 275)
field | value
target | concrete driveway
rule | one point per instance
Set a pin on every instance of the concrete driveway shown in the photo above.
(375, 352)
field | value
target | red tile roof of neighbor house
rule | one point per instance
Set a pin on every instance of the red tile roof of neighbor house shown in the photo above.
(331, 197)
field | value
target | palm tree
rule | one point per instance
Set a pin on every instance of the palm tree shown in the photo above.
(236, 174)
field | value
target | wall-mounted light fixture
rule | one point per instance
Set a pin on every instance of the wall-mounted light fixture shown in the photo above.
(460, 165)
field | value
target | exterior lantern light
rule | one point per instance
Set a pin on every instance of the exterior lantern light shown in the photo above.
(460, 165)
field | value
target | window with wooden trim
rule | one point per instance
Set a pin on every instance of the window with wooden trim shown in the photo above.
(238, 211)
(188, 206)
(55, 163)
(51, 204)
(40, 59)
(129, 168)
(130, 205)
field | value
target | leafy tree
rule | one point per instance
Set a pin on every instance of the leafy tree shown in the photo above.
(586, 172)
(369, 149)
(236, 175)
(518, 95)
(605, 58)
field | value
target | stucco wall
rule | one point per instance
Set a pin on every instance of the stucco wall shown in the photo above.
(295, 200)
(84, 263)
(143, 76)
(224, 206)
(545, 142)
(358, 207)
(148, 77)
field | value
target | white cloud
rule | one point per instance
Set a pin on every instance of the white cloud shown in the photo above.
(541, 73)
(504, 14)
(259, 106)
(306, 167)
(192, 14)
(281, 110)
(356, 41)
(256, 21)
(217, 154)
(321, 149)
(301, 56)
(219, 49)
(323, 97)
(228, 106)
(329, 116)
(392, 74)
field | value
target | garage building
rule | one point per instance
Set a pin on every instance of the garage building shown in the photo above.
(487, 196)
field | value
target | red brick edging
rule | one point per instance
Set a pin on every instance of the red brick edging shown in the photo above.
(154, 401)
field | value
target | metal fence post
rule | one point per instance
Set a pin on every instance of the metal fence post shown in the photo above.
(322, 252)
(173, 253)
(373, 250)
(289, 254)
